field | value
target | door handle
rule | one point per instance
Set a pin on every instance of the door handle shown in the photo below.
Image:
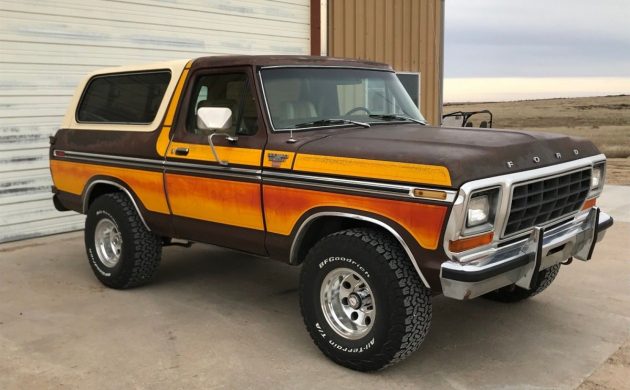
(181, 151)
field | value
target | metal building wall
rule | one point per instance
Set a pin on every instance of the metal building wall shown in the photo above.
(406, 34)
(47, 46)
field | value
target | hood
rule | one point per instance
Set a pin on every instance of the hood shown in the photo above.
(467, 153)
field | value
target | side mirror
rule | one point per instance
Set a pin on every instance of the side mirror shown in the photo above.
(215, 120)
(218, 119)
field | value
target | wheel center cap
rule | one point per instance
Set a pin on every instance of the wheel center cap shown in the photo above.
(354, 301)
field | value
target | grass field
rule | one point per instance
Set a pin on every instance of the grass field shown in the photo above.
(604, 120)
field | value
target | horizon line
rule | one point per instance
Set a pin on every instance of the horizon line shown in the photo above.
(496, 89)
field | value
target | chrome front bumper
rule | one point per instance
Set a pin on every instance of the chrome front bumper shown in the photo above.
(520, 261)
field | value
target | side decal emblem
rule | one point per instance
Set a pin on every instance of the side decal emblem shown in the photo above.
(558, 156)
(277, 158)
(510, 164)
(536, 159)
(576, 152)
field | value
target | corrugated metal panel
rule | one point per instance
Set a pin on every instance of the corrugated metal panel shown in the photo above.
(47, 46)
(403, 33)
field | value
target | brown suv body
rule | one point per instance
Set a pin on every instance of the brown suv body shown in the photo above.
(278, 193)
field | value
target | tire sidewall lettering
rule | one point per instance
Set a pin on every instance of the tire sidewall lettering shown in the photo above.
(352, 350)
(343, 348)
(346, 260)
(97, 263)
(99, 213)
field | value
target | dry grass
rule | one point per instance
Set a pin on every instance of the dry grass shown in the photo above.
(604, 120)
(613, 374)
(618, 171)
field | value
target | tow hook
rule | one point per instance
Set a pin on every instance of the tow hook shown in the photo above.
(568, 261)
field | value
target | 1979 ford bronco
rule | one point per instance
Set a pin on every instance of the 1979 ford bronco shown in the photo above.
(325, 163)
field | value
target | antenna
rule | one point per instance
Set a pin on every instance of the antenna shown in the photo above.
(291, 140)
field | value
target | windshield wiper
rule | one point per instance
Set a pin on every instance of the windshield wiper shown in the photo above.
(397, 117)
(325, 122)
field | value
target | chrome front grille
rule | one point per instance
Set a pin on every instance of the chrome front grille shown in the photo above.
(547, 199)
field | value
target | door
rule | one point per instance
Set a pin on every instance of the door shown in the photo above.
(212, 202)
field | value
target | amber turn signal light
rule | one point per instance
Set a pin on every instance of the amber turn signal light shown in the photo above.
(470, 242)
(589, 203)
(431, 194)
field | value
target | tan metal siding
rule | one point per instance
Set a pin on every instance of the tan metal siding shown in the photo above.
(403, 33)
(47, 46)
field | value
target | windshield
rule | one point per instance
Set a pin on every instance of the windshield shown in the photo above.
(310, 97)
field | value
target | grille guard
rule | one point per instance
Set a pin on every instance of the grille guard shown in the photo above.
(519, 262)
(455, 227)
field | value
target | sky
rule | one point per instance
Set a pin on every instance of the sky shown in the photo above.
(536, 48)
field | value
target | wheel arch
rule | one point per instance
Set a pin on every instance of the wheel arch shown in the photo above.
(344, 219)
(101, 186)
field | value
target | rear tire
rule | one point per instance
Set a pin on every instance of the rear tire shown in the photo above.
(514, 293)
(121, 251)
(362, 301)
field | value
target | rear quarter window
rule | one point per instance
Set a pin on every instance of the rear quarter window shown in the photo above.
(132, 98)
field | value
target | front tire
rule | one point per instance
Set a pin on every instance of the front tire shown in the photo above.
(121, 251)
(514, 293)
(362, 301)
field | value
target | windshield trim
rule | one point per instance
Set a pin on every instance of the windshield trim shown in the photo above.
(284, 130)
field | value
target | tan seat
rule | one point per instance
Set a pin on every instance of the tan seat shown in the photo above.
(228, 103)
(299, 109)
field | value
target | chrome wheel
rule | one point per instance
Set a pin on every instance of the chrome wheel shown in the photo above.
(348, 303)
(108, 242)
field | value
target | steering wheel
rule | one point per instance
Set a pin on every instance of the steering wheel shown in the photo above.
(357, 109)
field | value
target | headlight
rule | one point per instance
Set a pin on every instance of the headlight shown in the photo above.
(481, 211)
(597, 179)
(478, 211)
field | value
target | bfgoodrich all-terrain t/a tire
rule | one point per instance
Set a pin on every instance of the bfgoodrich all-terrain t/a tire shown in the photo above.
(514, 293)
(120, 249)
(362, 301)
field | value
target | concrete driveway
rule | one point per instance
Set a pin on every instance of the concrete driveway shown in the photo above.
(214, 318)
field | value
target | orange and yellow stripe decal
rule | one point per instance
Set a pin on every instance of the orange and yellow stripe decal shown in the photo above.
(163, 138)
(239, 203)
(202, 152)
(374, 169)
(147, 185)
(284, 206)
(222, 201)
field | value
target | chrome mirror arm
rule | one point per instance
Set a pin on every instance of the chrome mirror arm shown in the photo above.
(214, 151)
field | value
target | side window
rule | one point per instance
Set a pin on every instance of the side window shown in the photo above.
(230, 90)
(123, 98)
